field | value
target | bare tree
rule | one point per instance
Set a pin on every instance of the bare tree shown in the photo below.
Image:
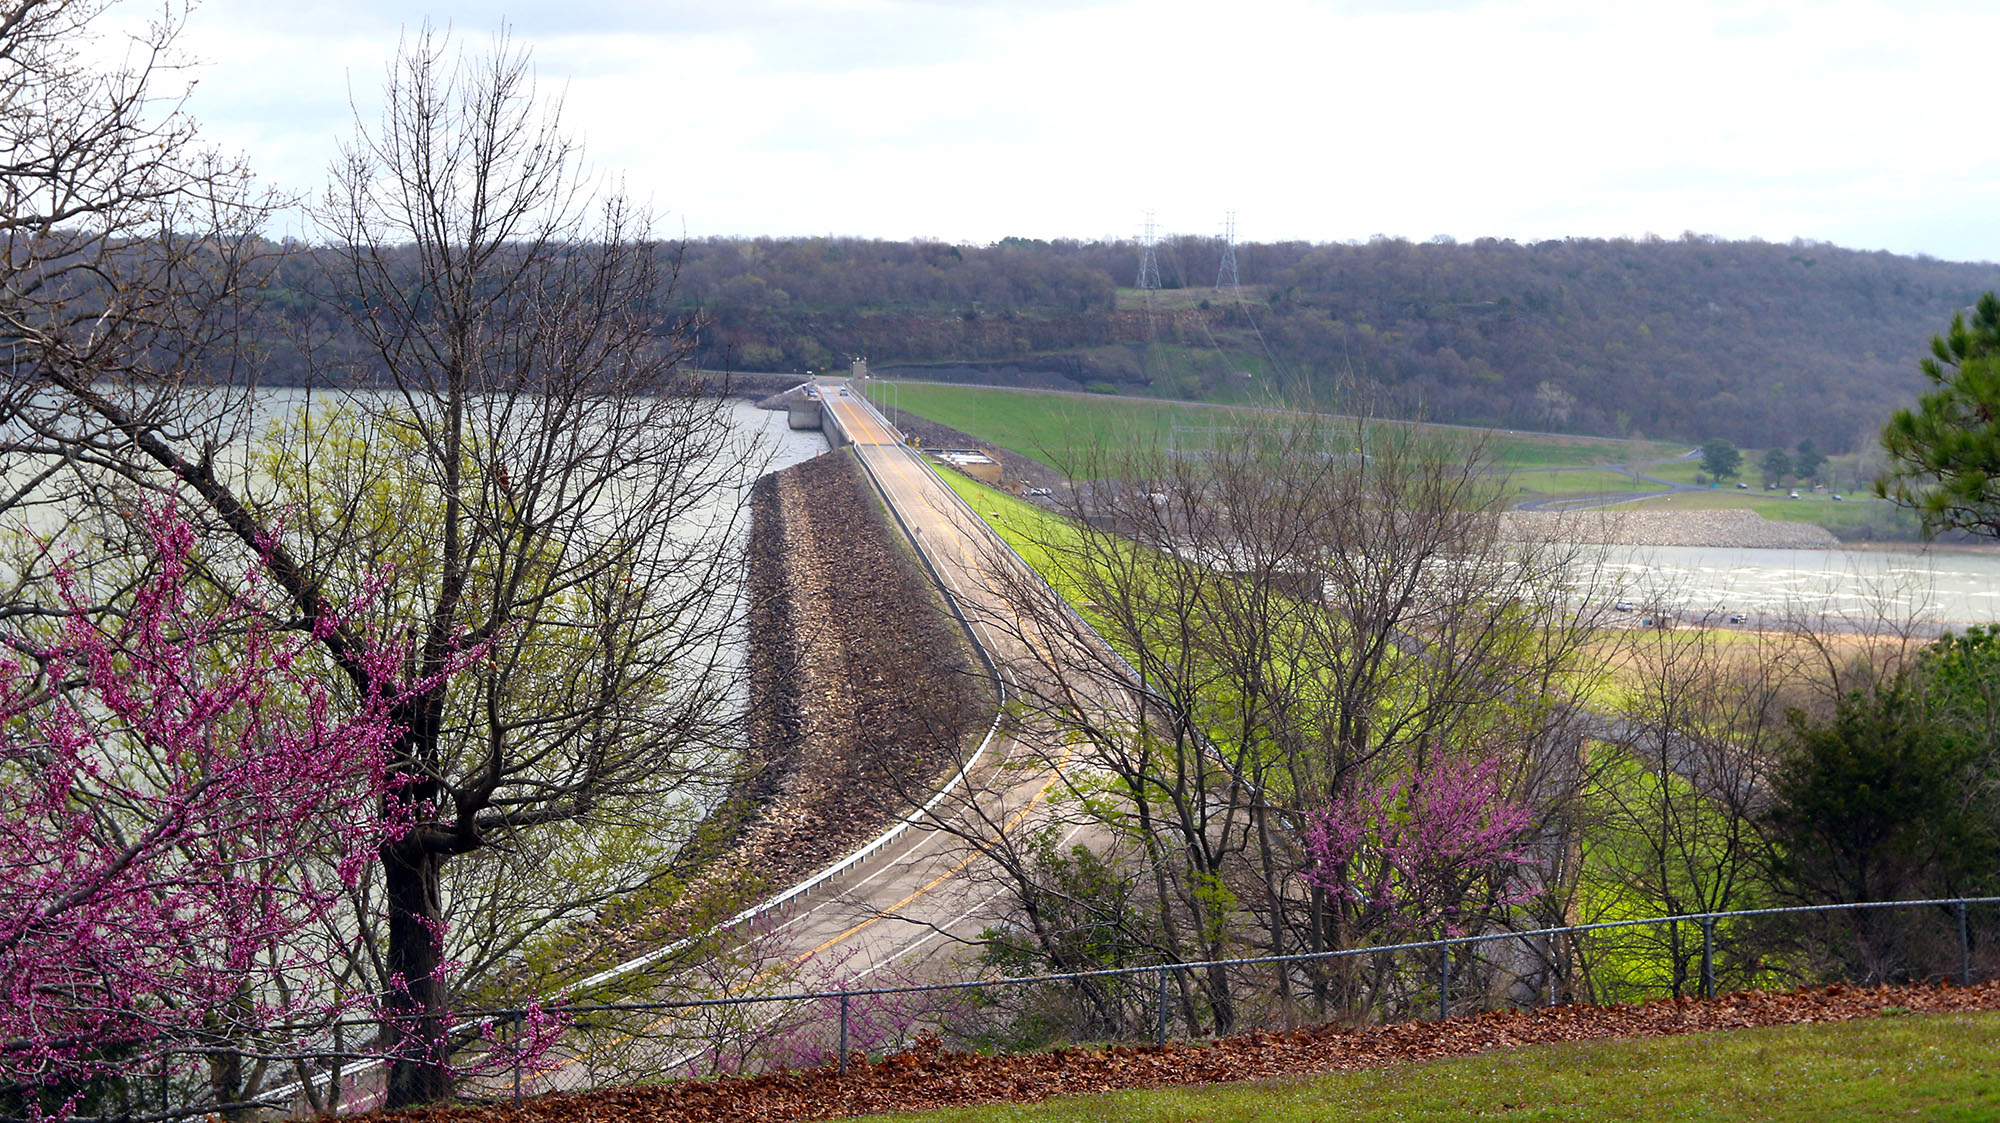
(552, 492)
(1310, 605)
(125, 247)
(1678, 784)
(536, 497)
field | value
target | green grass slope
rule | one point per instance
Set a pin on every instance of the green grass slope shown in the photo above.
(1935, 1067)
(1060, 429)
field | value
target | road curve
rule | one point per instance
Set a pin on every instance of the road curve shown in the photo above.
(913, 904)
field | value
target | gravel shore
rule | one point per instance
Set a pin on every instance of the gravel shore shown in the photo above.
(1733, 528)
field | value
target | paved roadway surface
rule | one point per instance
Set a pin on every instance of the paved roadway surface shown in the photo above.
(912, 906)
(1608, 498)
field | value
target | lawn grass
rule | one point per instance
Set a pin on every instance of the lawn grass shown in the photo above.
(1515, 451)
(1029, 531)
(1934, 1066)
(1575, 481)
(1888, 520)
(1679, 471)
(1019, 523)
(1061, 429)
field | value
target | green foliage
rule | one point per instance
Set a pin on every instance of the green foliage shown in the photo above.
(1720, 459)
(1777, 465)
(1653, 845)
(1460, 333)
(1087, 906)
(363, 494)
(1961, 676)
(1080, 913)
(1889, 797)
(1807, 461)
(1871, 804)
(1944, 456)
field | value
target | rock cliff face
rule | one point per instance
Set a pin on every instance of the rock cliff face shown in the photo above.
(862, 690)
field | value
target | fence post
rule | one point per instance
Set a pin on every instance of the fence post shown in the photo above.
(1160, 1030)
(517, 1058)
(1708, 957)
(339, 1061)
(1964, 949)
(843, 1033)
(1444, 982)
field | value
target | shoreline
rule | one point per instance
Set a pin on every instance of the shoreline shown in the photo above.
(1919, 546)
(1720, 528)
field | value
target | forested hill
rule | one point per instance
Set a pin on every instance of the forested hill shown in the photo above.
(1689, 339)
(1686, 339)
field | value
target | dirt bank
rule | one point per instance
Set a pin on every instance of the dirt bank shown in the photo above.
(861, 696)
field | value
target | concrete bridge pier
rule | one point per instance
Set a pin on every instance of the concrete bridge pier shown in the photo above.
(802, 412)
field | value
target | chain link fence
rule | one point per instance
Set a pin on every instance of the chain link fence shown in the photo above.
(765, 1014)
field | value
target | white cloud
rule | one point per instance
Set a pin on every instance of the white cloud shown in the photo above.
(1315, 120)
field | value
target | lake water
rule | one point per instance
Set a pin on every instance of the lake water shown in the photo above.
(782, 445)
(1950, 588)
(789, 446)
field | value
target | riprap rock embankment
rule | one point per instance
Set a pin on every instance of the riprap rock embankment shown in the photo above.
(861, 688)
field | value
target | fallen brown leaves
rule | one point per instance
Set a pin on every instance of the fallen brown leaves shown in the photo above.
(929, 1077)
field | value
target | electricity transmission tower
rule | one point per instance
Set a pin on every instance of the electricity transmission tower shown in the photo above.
(1149, 264)
(1226, 274)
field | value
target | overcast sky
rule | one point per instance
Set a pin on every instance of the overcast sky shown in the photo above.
(1323, 120)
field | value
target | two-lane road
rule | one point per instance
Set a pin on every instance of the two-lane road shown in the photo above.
(907, 906)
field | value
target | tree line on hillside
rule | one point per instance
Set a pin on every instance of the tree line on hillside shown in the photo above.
(1687, 338)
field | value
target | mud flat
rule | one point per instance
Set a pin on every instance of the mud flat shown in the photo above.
(1731, 528)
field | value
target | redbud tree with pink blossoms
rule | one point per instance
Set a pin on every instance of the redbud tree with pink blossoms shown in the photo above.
(500, 439)
(1432, 853)
(185, 804)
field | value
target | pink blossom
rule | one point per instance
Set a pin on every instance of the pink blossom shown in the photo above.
(1415, 853)
(184, 804)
